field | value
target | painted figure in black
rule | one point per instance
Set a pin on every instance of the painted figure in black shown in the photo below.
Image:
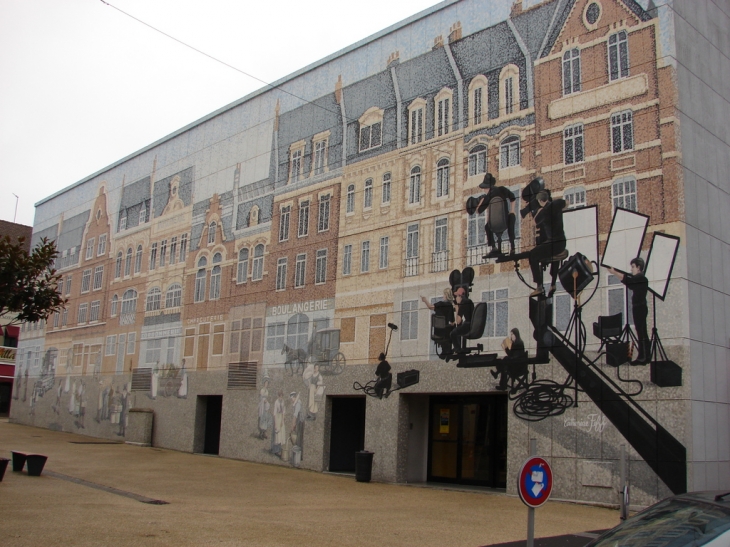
(385, 378)
(636, 281)
(498, 204)
(463, 311)
(550, 240)
(514, 347)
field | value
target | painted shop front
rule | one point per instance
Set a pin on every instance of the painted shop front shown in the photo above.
(493, 194)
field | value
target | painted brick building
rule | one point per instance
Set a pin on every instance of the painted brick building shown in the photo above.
(253, 265)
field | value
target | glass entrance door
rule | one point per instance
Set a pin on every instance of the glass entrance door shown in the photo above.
(468, 440)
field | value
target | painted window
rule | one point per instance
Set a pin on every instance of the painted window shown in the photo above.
(114, 306)
(275, 336)
(509, 152)
(497, 312)
(618, 55)
(320, 156)
(154, 297)
(212, 227)
(281, 274)
(365, 257)
(324, 213)
(296, 166)
(242, 272)
(368, 195)
(409, 320)
(142, 215)
(347, 260)
(575, 197)
(173, 249)
(200, 278)
(153, 256)
(284, 223)
(384, 249)
(573, 144)
(128, 262)
(442, 178)
(94, 313)
(350, 200)
(571, 71)
(257, 272)
(623, 193)
(173, 296)
(416, 125)
(215, 277)
(69, 279)
(86, 281)
(89, 248)
(320, 275)
(303, 218)
(129, 301)
(83, 312)
(371, 136)
(443, 116)
(412, 241)
(478, 160)
(300, 270)
(138, 260)
(622, 131)
(163, 251)
(297, 331)
(111, 345)
(509, 95)
(183, 247)
(441, 235)
(101, 248)
(414, 185)
(509, 79)
(386, 188)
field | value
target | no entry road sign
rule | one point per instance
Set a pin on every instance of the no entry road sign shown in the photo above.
(535, 482)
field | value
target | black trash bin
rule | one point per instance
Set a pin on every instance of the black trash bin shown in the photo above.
(363, 466)
(18, 461)
(3, 467)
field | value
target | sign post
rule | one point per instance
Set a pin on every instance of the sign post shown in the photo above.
(534, 485)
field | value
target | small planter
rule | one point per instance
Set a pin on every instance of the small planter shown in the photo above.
(3, 467)
(18, 461)
(36, 462)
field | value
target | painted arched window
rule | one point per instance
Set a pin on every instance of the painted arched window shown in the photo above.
(368, 195)
(153, 299)
(215, 278)
(414, 185)
(442, 178)
(199, 295)
(114, 306)
(350, 205)
(128, 262)
(173, 297)
(242, 266)
(138, 260)
(118, 268)
(129, 301)
(258, 263)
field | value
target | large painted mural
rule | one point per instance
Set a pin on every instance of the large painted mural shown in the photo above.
(520, 155)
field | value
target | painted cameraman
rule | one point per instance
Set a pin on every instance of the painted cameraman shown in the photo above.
(498, 204)
(550, 241)
(636, 282)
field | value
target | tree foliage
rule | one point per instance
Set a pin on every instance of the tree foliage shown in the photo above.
(28, 281)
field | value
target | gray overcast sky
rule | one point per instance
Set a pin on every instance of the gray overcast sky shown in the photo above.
(83, 85)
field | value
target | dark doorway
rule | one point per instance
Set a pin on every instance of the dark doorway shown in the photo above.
(468, 440)
(6, 390)
(213, 412)
(347, 433)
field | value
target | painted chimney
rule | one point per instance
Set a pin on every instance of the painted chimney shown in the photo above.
(455, 32)
(438, 42)
(338, 89)
(394, 58)
(516, 8)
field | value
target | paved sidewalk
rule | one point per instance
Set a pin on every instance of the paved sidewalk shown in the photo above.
(96, 493)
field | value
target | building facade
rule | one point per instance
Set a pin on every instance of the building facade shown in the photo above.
(241, 276)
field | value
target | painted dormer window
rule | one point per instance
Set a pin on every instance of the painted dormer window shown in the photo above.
(371, 129)
(415, 126)
(509, 94)
(478, 100)
(296, 166)
(443, 103)
(319, 146)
